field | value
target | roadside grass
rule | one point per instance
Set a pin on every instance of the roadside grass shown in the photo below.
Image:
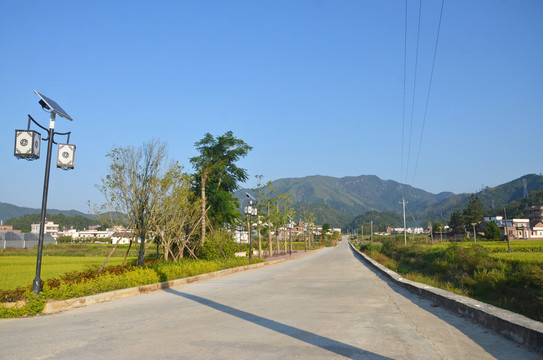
(512, 281)
(23, 302)
(18, 271)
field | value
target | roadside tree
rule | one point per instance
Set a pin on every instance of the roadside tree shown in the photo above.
(133, 188)
(217, 176)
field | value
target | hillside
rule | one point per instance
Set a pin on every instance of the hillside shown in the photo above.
(339, 200)
(355, 195)
(491, 197)
(9, 211)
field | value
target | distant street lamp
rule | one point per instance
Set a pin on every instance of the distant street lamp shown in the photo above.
(289, 226)
(27, 146)
(250, 211)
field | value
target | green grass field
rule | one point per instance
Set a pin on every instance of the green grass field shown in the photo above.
(18, 271)
(521, 250)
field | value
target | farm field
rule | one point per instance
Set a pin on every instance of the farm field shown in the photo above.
(18, 271)
(521, 250)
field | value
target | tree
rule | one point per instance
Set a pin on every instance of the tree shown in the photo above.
(325, 229)
(268, 204)
(132, 187)
(259, 191)
(179, 217)
(457, 223)
(217, 177)
(473, 212)
(492, 231)
(437, 227)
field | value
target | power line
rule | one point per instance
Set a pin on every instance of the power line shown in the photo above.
(414, 91)
(404, 82)
(429, 88)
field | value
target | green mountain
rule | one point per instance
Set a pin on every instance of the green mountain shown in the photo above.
(496, 197)
(339, 200)
(355, 195)
(9, 211)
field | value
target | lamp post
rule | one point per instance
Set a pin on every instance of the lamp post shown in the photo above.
(250, 210)
(289, 226)
(27, 146)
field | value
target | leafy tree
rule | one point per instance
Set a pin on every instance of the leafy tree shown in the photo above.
(473, 212)
(217, 176)
(178, 219)
(268, 202)
(133, 187)
(259, 191)
(492, 231)
(325, 229)
(457, 223)
(437, 227)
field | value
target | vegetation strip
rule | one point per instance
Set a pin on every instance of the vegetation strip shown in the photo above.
(511, 325)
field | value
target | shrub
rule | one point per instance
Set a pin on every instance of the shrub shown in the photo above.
(219, 245)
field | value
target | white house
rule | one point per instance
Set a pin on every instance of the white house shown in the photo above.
(50, 228)
(537, 231)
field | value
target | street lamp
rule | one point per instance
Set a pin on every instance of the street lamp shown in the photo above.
(250, 210)
(289, 226)
(27, 146)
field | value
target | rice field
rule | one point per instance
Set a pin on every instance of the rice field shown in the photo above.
(18, 271)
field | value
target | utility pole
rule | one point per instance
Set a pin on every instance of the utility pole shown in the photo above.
(432, 233)
(404, 225)
(506, 232)
(371, 233)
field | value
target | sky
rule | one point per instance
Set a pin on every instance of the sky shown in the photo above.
(316, 87)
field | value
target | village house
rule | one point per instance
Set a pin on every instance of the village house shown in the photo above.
(50, 228)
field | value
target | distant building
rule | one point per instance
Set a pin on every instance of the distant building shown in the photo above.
(8, 228)
(537, 231)
(535, 214)
(50, 228)
(517, 228)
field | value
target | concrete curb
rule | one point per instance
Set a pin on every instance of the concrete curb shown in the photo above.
(63, 305)
(515, 327)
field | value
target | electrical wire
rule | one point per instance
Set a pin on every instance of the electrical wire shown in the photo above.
(414, 91)
(429, 89)
(404, 82)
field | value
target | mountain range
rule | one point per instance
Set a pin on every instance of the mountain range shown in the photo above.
(339, 200)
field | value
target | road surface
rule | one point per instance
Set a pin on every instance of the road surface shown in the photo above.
(327, 305)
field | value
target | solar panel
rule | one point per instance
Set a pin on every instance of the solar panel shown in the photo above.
(53, 106)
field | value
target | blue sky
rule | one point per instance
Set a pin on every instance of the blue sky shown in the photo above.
(316, 87)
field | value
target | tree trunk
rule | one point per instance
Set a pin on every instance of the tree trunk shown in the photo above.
(141, 253)
(277, 241)
(259, 240)
(270, 242)
(127, 251)
(111, 253)
(203, 220)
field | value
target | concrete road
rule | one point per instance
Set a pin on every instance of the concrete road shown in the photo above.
(327, 305)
